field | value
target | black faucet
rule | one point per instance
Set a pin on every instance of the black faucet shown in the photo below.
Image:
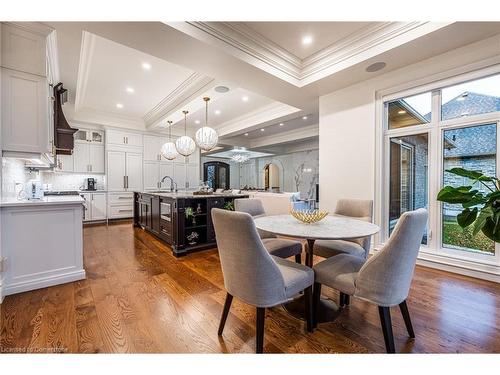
(172, 183)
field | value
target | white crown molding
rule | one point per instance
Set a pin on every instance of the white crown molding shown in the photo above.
(252, 47)
(86, 53)
(255, 118)
(285, 137)
(104, 118)
(184, 93)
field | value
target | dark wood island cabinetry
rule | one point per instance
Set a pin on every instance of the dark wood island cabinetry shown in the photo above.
(183, 221)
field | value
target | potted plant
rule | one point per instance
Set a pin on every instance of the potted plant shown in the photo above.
(189, 213)
(482, 210)
(229, 205)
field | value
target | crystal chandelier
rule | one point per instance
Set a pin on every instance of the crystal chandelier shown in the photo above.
(185, 145)
(206, 137)
(168, 150)
(240, 155)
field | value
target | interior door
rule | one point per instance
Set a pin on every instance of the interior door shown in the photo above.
(96, 158)
(134, 171)
(116, 171)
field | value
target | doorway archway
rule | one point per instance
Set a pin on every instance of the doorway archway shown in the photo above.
(271, 177)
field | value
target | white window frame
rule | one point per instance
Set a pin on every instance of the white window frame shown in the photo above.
(433, 251)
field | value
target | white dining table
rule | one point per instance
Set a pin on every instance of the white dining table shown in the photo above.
(332, 227)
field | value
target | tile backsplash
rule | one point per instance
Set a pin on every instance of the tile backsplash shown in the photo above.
(14, 176)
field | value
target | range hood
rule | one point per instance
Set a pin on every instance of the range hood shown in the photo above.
(63, 133)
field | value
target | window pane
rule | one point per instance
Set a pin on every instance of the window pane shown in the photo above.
(409, 111)
(408, 176)
(471, 98)
(472, 148)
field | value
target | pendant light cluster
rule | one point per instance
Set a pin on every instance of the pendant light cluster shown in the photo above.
(206, 139)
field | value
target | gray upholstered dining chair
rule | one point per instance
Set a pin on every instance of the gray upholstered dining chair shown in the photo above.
(252, 274)
(360, 209)
(385, 278)
(280, 247)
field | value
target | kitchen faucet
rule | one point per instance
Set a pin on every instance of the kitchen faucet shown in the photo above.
(172, 183)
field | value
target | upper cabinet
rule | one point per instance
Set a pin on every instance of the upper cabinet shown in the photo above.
(25, 92)
(93, 136)
(152, 148)
(117, 139)
(24, 49)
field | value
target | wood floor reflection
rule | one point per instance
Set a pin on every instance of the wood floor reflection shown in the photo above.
(138, 298)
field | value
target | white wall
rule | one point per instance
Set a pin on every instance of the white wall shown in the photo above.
(347, 123)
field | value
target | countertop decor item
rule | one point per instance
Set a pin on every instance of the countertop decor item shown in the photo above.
(185, 145)
(206, 137)
(480, 208)
(309, 216)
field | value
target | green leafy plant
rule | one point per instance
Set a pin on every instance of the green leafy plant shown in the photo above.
(229, 205)
(480, 210)
(189, 213)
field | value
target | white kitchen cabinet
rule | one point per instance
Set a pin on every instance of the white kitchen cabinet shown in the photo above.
(94, 206)
(65, 163)
(152, 147)
(193, 175)
(154, 172)
(89, 135)
(180, 175)
(25, 113)
(127, 139)
(96, 158)
(88, 158)
(120, 205)
(124, 171)
(24, 50)
(98, 206)
(134, 171)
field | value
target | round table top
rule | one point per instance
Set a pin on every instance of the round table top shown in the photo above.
(330, 228)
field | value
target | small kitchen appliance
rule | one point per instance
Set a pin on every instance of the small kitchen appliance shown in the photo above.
(90, 184)
(33, 190)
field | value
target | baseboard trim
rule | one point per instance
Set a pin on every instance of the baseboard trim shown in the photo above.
(44, 282)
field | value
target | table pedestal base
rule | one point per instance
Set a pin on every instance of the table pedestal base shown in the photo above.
(328, 310)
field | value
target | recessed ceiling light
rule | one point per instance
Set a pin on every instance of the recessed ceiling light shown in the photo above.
(221, 89)
(217, 112)
(130, 90)
(304, 117)
(146, 66)
(119, 105)
(402, 112)
(245, 98)
(197, 121)
(306, 40)
(246, 134)
(281, 124)
(376, 67)
(262, 129)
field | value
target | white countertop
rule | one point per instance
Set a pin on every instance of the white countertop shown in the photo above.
(50, 200)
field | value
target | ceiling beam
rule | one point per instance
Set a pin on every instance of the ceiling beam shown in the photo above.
(285, 137)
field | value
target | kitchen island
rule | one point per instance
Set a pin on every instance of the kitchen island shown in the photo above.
(42, 243)
(181, 220)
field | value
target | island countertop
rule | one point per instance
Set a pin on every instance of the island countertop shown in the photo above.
(45, 201)
(190, 195)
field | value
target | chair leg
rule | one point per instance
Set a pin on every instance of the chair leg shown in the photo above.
(385, 321)
(298, 258)
(261, 314)
(309, 308)
(344, 299)
(316, 300)
(406, 316)
(347, 299)
(225, 313)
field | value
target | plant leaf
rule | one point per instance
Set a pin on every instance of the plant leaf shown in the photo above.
(478, 199)
(473, 175)
(467, 217)
(485, 214)
(450, 194)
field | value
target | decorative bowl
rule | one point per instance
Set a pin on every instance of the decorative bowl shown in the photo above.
(309, 216)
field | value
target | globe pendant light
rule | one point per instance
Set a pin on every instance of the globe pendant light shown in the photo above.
(185, 145)
(206, 137)
(168, 150)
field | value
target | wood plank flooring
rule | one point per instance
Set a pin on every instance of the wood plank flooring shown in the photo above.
(138, 298)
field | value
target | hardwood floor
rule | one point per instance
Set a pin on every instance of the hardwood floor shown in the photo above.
(139, 298)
